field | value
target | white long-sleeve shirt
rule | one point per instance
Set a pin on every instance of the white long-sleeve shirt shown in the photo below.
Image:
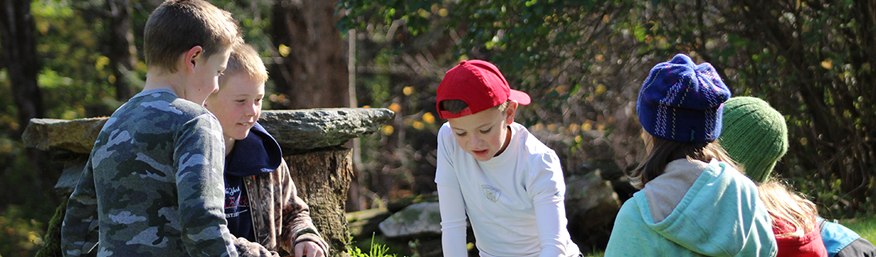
(514, 201)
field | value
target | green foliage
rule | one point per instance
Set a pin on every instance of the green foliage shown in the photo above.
(584, 61)
(21, 236)
(375, 250)
(74, 69)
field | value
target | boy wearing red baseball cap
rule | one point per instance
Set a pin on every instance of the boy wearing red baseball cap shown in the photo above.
(492, 171)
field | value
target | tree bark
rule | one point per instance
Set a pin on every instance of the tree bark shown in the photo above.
(122, 53)
(19, 47)
(314, 72)
(19, 44)
(322, 179)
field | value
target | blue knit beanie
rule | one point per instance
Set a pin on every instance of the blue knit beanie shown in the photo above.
(682, 101)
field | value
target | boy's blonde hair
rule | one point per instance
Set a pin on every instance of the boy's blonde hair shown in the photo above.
(785, 204)
(663, 151)
(246, 61)
(178, 25)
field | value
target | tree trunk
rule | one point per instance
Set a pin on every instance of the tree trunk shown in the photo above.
(313, 73)
(122, 53)
(19, 44)
(19, 47)
(322, 179)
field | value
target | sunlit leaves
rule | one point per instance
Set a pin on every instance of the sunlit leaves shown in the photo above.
(428, 118)
(283, 50)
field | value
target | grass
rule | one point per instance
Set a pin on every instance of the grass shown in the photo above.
(375, 250)
(866, 227)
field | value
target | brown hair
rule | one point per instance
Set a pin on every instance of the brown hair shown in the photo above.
(782, 202)
(455, 106)
(244, 60)
(178, 25)
(663, 151)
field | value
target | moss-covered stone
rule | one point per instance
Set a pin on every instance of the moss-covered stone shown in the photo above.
(52, 241)
(398, 205)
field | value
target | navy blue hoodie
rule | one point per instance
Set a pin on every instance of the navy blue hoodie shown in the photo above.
(258, 153)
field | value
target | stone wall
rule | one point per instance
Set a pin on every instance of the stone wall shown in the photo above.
(312, 142)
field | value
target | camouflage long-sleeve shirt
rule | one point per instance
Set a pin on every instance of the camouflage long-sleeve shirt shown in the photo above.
(153, 184)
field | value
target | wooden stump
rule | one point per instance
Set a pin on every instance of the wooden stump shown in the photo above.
(322, 179)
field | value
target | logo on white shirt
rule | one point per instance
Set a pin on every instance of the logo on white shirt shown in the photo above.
(492, 193)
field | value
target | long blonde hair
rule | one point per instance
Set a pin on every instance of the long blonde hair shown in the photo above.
(781, 202)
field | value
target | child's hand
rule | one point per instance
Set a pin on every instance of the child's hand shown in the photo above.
(308, 249)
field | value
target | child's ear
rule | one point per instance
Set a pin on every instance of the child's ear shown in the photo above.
(510, 112)
(191, 57)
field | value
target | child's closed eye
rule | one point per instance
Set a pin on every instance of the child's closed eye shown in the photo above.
(486, 130)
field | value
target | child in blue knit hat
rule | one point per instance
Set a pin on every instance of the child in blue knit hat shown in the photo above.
(693, 200)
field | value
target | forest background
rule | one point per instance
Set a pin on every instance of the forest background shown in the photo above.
(582, 61)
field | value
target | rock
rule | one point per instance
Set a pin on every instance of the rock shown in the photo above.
(72, 135)
(365, 223)
(591, 206)
(588, 191)
(52, 239)
(296, 130)
(318, 128)
(398, 205)
(606, 169)
(69, 178)
(624, 188)
(417, 220)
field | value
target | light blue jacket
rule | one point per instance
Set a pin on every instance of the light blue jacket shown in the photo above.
(842, 241)
(720, 215)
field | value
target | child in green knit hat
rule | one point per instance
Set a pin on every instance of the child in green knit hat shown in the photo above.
(755, 135)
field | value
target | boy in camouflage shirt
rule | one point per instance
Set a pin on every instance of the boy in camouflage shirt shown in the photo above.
(153, 182)
(262, 205)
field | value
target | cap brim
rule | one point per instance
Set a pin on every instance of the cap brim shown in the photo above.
(448, 115)
(520, 97)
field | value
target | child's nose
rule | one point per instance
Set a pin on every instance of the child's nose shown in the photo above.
(475, 141)
(251, 111)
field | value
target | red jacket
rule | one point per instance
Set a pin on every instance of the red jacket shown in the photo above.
(809, 244)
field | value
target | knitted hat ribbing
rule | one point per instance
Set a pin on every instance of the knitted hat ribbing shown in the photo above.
(681, 101)
(755, 135)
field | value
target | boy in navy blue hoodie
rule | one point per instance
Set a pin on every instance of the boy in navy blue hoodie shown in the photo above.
(259, 193)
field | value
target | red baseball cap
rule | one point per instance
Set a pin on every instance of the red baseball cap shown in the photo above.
(479, 84)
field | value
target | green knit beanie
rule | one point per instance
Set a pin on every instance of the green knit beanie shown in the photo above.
(755, 136)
